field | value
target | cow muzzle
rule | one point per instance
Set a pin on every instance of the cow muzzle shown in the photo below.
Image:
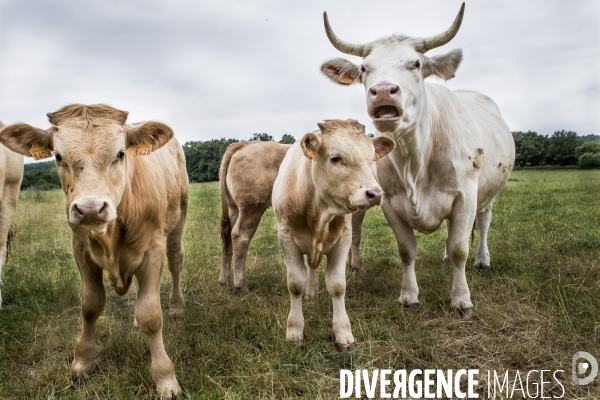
(384, 103)
(368, 198)
(91, 213)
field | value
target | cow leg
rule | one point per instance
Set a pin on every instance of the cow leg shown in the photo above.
(407, 249)
(458, 251)
(242, 234)
(312, 284)
(296, 283)
(446, 259)
(354, 254)
(93, 298)
(484, 219)
(149, 318)
(175, 256)
(227, 248)
(335, 280)
(8, 205)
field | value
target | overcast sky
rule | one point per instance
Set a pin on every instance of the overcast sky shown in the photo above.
(214, 69)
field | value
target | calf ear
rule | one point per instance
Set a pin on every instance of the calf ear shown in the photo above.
(311, 145)
(383, 146)
(27, 140)
(444, 65)
(155, 134)
(342, 71)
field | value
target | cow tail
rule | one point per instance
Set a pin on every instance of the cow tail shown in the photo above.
(11, 234)
(225, 220)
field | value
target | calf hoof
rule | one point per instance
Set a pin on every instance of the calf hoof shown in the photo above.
(464, 313)
(294, 335)
(345, 346)
(241, 289)
(169, 389)
(481, 265)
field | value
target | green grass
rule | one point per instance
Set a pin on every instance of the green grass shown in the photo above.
(536, 306)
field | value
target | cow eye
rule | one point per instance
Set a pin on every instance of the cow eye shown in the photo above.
(120, 155)
(417, 65)
(362, 68)
(334, 158)
(57, 157)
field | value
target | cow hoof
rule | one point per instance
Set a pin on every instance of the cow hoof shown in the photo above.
(294, 335)
(241, 289)
(169, 389)
(175, 312)
(481, 265)
(345, 346)
(446, 258)
(464, 313)
(358, 269)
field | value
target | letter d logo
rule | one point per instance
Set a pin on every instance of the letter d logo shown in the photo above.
(581, 367)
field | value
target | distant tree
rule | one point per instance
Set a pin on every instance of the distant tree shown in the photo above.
(562, 148)
(589, 155)
(590, 138)
(287, 139)
(40, 165)
(41, 179)
(530, 148)
(203, 159)
(263, 137)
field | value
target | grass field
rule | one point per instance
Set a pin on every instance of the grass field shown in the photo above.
(536, 306)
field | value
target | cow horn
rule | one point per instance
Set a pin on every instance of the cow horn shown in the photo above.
(344, 47)
(439, 40)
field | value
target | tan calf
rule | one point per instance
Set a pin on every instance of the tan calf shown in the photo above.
(323, 178)
(11, 174)
(248, 171)
(126, 189)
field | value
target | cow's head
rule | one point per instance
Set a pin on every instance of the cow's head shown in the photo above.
(341, 156)
(91, 145)
(393, 71)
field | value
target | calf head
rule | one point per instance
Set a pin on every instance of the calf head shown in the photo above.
(341, 156)
(91, 145)
(392, 72)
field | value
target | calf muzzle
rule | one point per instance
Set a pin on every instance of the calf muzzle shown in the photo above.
(89, 212)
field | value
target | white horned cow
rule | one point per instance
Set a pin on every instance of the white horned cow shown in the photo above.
(126, 188)
(454, 152)
(323, 178)
(244, 199)
(11, 175)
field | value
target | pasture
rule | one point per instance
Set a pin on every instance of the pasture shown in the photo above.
(536, 306)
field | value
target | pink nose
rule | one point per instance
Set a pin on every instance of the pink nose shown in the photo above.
(90, 211)
(374, 196)
(384, 91)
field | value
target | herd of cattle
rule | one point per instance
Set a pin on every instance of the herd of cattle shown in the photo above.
(439, 155)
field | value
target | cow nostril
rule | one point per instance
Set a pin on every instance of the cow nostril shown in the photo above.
(77, 212)
(395, 89)
(370, 194)
(103, 210)
(373, 92)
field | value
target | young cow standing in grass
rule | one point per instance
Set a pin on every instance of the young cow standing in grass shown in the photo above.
(126, 188)
(323, 179)
(11, 174)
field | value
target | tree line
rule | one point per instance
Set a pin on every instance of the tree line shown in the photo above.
(203, 159)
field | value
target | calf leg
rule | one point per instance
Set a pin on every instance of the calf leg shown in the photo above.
(175, 256)
(335, 280)
(458, 251)
(227, 246)
(296, 282)
(484, 219)
(354, 254)
(242, 234)
(149, 319)
(407, 249)
(312, 284)
(93, 298)
(8, 205)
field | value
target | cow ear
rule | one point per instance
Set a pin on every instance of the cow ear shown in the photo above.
(341, 71)
(150, 135)
(27, 140)
(383, 146)
(311, 145)
(444, 65)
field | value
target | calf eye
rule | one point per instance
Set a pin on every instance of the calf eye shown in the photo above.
(58, 157)
(417, 65)
(362, 68)
(120, 155)
(334, 159)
